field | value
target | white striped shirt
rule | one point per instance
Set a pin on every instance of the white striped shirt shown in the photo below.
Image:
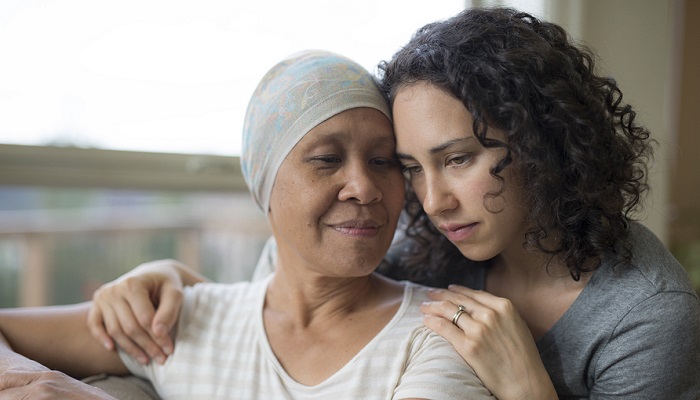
(222, 352)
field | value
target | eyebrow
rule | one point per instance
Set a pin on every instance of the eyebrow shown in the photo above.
(437, 149)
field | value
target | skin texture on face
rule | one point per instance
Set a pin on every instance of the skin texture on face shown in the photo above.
(338, 195)
(450, 172)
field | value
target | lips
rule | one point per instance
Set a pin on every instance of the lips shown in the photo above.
(457, 232)
(357, 228)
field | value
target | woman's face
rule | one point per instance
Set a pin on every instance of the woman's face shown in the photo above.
(338, 195)
(450, 172)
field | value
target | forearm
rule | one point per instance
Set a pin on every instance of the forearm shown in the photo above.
(55, 337)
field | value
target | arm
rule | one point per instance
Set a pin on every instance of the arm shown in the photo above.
(492, 337)
(139, 309)
(23, 378)
(57, 338)
(654, 352)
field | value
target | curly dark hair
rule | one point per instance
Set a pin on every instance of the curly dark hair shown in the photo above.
(576, 146)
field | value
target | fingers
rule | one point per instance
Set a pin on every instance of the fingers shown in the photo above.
(97, 328)
(458, 293)
(490, 335)
(14, 378)
(483, 316)
(446, 304)
(122, 315)
(126, 330)
(481, 305)
(15, 385)
(166, 316)
(445, 309)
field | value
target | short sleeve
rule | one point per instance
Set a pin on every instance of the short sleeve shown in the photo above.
(437, 371)
(654, 352)
(137, 369)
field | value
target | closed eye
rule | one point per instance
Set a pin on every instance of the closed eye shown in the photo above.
(383, 162)
(327, 159)
(411, 170)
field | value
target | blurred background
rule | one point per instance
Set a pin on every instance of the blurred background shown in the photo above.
(120, 121)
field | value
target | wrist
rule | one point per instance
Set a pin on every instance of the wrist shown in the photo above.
(543, 390)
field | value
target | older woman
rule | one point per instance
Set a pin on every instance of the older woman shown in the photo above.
(319, 160)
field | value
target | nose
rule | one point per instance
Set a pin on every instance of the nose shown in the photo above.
(361, 185)
(437, 196)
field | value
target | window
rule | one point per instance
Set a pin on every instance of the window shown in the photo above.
(171, 76)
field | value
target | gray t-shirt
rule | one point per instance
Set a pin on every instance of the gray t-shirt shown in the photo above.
(633, 333)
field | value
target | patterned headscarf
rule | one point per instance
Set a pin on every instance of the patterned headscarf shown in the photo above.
(293, 97)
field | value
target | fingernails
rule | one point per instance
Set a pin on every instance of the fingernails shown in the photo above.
(107, 345)
(160, 360)
(142, 360)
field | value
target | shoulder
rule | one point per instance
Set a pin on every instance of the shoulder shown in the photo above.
(653, 290)
(644, 321)
(409, 325)
(652, 261)
(432, 364)
(416, 291)
(209, 293)
(408, 322)
(207, 303)
(427, 352)
(653, 271)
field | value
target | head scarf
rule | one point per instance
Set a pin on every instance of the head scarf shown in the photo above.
(293, 97)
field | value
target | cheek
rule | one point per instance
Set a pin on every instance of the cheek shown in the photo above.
(418, 187)
(484, 189)
(396, 195)
(290, 203)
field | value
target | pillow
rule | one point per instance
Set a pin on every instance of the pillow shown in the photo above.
(126, 387)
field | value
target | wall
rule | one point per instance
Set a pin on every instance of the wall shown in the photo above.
(634, 41)
(684, 233)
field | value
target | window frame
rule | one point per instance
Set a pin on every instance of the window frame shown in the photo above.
(86, 167)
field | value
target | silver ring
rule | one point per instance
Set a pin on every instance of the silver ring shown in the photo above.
(460, 311)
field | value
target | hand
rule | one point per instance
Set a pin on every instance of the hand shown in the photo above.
(46, 384)
(22, 378)
(492, 337)
(138, 311)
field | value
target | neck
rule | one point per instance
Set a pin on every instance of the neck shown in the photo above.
(530, 266)
(539, 286)
(306, 299)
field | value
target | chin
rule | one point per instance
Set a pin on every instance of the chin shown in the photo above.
(476, 254)
(360, 261)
